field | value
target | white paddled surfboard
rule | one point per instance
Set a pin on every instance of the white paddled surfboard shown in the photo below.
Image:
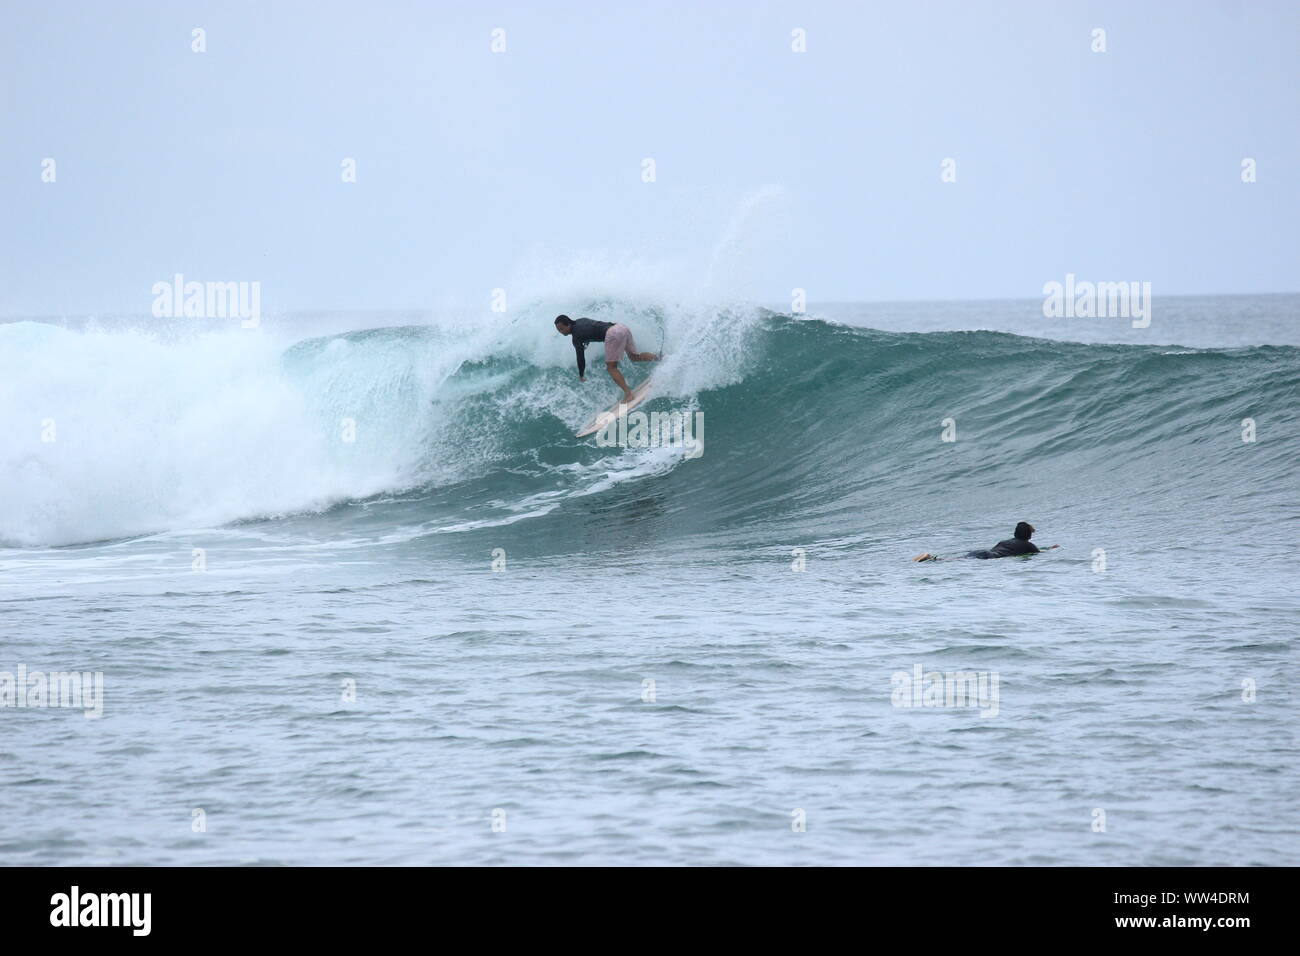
(639, 395)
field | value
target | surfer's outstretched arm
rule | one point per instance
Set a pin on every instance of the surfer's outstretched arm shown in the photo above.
(580, 347)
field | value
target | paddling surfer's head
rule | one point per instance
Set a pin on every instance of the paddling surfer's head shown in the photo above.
(563, 324)
(1024, 531)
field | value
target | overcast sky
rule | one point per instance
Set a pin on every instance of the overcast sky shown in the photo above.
(773, 169)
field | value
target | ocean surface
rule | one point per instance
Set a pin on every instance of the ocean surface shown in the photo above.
(358, 596)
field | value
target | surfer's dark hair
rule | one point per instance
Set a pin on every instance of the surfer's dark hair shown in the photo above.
(563, 320)
(1024, 530)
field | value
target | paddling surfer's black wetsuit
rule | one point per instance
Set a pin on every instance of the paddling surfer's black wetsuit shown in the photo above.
(1006, 549)
(584, 331)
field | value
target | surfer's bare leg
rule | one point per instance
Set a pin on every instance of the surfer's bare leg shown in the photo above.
(621, 382)
(643, 356)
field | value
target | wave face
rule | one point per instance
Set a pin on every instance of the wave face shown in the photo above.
(811, 430)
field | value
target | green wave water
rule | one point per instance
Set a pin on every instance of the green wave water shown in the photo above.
(831, 426)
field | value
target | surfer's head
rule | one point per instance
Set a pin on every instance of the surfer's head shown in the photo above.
(1024, 530)
(563, 324)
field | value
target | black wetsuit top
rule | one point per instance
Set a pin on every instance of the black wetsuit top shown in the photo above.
(1006, 549)
(584, 331)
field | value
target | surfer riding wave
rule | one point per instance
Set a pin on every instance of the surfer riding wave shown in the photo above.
(618, 342)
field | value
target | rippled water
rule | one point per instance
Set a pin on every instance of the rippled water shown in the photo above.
(649, 680)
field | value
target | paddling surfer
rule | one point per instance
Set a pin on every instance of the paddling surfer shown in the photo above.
(1019, 543)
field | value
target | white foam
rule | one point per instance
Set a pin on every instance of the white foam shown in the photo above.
(153, 433)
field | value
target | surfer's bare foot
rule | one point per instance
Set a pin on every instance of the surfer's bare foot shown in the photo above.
(926, 556)
(627, 398)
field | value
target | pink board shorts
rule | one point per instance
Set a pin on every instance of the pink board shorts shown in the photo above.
(618, 342)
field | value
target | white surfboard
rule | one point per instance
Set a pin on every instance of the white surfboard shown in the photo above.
(639, 395)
